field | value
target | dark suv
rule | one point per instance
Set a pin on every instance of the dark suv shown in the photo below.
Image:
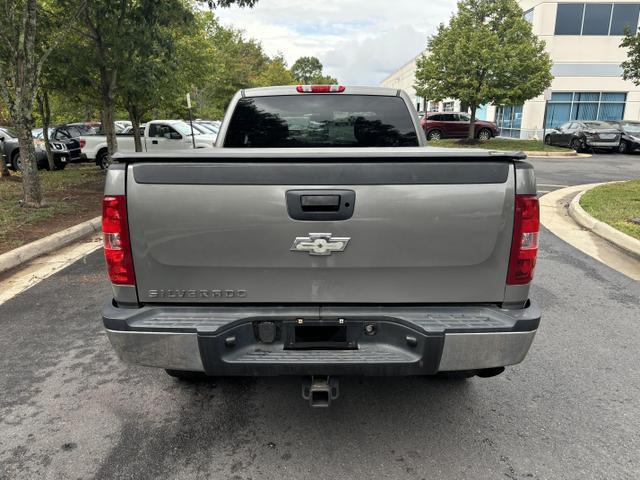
(439, 125)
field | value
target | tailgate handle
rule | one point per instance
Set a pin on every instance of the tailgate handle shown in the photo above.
(320, 204)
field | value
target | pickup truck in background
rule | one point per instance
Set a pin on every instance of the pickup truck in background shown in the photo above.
(159, 136)
(321, 238)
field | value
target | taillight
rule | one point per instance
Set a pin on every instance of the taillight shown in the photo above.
(115, 232)
(320, 88)
(524, 245)
(83, 142)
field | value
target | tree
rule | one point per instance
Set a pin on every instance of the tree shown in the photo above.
(308, 71)
(631, 66)
(112, 28)
(276, 73)
(23, 52)
(233, 63)
(45, 114)
(149, 69)
(486, 54)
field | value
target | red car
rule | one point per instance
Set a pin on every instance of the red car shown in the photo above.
(439, 125)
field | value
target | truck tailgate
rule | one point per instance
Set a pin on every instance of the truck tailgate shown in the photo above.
(419, 231)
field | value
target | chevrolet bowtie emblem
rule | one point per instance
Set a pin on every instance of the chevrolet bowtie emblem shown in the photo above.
(320, 244)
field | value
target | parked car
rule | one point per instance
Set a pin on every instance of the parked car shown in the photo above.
(217, 265)
(129, 130)
(629, 135)
(159, 136)
(87, 128)
(11, 151)
(584, 135)
(210, 128)
(120, 125)
(437, 125)
(57, 139)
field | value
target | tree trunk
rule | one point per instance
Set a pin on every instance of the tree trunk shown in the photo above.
(30, 179)
(106, 93)
(472, 123)
(4, 169)
(134, 116)
(45, 113)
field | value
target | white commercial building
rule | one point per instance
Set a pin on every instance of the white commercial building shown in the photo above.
(583, 40)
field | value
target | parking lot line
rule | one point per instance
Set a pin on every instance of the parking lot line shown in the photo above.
(552, 185)
(45, 266)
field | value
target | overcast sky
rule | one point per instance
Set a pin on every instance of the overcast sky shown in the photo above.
(359, 42)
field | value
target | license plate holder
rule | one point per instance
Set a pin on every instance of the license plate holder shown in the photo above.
(320, 335)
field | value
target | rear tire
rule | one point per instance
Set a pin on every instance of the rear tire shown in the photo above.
(577, 145)
(458, 376)
(16, 162)
(434, 135)
(102, 159)
(484, 134)
(547, 140)
(623, 147)
(187, 375)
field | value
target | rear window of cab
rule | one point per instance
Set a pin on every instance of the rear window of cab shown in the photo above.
(321, 121)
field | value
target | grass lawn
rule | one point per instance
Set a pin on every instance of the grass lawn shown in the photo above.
(73, 195)
(499, 144)
(615, 204)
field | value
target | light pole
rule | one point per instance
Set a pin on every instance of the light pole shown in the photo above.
(193, 138)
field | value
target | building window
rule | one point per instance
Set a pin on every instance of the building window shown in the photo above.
(528, 15)
(566, 106)
(509, 120)
(447, 106)
(625, 15)
(569, 18)
(596, 18)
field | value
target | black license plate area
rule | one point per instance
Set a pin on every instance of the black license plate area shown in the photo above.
(319, 337)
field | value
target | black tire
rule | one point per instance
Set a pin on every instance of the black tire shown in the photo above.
(102, 159)
(484, 134)
(187, 375)
(16, 163)
(577, 144)
(456, 376)
(623, 147)
(547, 140)
(434, 134)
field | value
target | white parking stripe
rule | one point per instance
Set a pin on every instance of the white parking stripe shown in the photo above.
(551, 185)
(43, 267)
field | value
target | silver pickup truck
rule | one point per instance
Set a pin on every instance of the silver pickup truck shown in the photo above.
(321, 238)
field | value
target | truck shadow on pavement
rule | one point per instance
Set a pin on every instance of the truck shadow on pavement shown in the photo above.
(242, 427)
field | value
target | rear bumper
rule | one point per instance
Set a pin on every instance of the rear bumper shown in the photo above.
(407, 340)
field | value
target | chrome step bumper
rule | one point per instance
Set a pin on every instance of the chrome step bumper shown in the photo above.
(409, 341)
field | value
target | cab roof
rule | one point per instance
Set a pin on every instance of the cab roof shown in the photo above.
(292, 90)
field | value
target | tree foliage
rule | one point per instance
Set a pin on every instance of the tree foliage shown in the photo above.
(308, 71)
(24, 49)
(631, 66)
(486, 54)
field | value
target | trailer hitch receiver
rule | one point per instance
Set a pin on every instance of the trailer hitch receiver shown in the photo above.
(320, 390)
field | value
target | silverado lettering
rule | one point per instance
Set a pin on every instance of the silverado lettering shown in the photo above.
(197, 293)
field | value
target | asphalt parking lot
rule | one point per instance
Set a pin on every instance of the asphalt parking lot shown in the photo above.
(70, 409)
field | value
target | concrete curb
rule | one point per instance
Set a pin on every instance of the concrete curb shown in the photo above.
(612, 235)
(573, 154)
(534, 153)
(20, 255)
